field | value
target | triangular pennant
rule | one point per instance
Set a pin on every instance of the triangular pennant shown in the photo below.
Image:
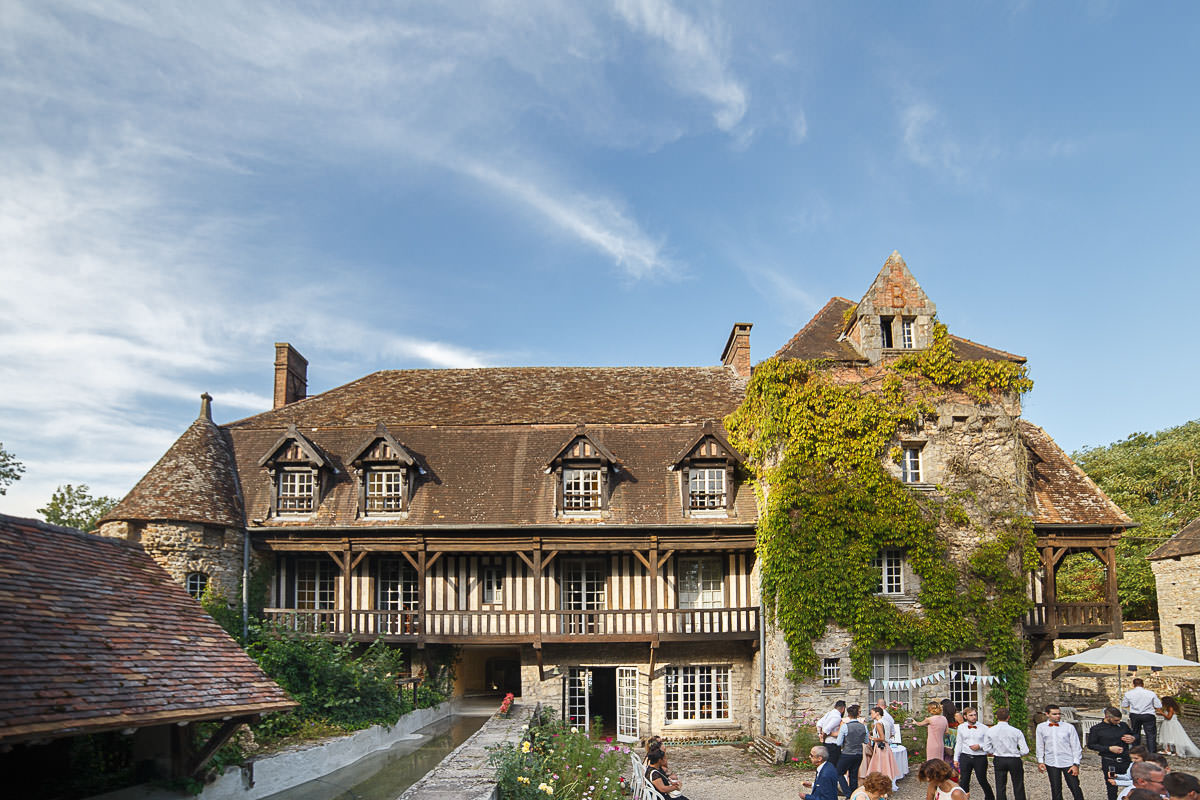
(953, 674)
(872, 683)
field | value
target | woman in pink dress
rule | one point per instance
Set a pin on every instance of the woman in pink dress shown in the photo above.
(935, 730)
(880, 758)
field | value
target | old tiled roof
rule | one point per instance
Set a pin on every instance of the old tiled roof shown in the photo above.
(194, 481)
(1184, 543)
(1063, 493)
(819, 339)
(515, 396)
(98, 637)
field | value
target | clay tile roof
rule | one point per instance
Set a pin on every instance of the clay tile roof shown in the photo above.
(195, 481)
(819, 338)
(966, 350)
(1063, 493)
(1184, 543)
(98, 637)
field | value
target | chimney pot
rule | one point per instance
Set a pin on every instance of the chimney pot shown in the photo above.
(291, 375)
(737, 349)
(206, 406)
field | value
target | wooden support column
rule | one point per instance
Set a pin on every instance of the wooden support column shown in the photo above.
(422, 604)
(1049, 589)
(538, 624)
(654, 586)
(347, 588)
(1114, 600)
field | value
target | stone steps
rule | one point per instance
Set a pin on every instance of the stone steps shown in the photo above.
(768, 751)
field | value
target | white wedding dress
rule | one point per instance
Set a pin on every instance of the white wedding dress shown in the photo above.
(1173, 738)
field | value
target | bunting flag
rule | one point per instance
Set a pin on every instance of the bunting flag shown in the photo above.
(872, 683)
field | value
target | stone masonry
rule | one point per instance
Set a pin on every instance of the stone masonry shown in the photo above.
(1178, 600)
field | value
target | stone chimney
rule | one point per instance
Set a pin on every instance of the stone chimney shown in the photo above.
(291, 375)
(206, 407)
(737, 349)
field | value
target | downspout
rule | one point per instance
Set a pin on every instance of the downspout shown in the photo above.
(762, 670)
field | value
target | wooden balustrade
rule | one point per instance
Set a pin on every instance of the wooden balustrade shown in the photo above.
(1069, 618)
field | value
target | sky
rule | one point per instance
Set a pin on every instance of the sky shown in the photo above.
(416, 185)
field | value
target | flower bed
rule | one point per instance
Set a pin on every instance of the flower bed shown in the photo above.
(555, 760)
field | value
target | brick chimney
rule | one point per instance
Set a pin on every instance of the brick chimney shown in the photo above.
(737, 349)
(291, 375)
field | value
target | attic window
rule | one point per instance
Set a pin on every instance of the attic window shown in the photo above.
(386, 473)
(885, 332)
(907, 331)
(706, 487)
(583, 470)
(295, 491)
(297, 469)
(581, 489)
(385, 490)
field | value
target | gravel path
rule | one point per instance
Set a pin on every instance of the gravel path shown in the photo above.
(726, 772)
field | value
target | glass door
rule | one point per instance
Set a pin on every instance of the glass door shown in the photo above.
(578, 689)
(627, 704)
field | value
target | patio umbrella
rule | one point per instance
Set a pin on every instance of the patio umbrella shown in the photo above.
(1119, 654)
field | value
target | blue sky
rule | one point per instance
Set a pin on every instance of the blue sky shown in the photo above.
(599, 183)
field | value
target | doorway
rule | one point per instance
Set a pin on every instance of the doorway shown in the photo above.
(607, 695)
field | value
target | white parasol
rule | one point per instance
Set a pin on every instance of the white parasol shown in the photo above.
(1118, 654)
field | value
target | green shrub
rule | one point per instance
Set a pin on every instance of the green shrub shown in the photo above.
(553, 760)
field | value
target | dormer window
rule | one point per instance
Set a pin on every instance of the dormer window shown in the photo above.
(297, 469)
(386, 472)
(907, 333)
(885, 332)
(583, 470)
(706, 467)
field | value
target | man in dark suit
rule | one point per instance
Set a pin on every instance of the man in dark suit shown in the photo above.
(827, 784)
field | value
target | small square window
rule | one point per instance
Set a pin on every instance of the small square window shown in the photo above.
(706, 487)
(581, 489)
(910, 465)
(831, 671)
(907, 334)
(385, 491)
(295, 491)
(196, 583)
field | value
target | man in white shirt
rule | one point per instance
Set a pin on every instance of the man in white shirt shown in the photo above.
(1007, 745)
(1142, 704)
(889, 724)
(827, 731)
(1058, 753)
(971, 753)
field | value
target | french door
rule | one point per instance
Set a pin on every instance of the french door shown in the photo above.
(627, 704)
(578, 690)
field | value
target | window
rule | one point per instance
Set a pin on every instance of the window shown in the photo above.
(1187, 634)
(964, 684)
(583, 589)
(385, 491)
(492, 579)
(314, 584)
(581, 489)
(885, 332)
(701, 582)
(907, 340)
(706, 487)
(295, 491)
(196, 583)
(697, 694)
(891, 573)
(396, 590)
(831, 671)
(910, 465)
(885, 669)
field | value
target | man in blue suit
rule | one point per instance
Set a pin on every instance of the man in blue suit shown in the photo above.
(827, 784)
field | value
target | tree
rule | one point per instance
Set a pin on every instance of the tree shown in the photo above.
(1153, 478)
(10, 469)
(74, 507)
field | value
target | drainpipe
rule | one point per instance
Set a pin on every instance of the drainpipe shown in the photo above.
(245, 585)
(762, 671)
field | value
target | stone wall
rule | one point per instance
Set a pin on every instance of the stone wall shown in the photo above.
(1178, 600)
(651, 689)
(1096, 687)
(182, 548)
(1142, 634)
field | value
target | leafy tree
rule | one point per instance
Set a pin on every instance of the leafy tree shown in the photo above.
(10, 469)
(74, 507)
(1153, 477)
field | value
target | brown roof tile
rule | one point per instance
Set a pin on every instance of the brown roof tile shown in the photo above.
(1063, 494)
(97, 636)
(1184, 543)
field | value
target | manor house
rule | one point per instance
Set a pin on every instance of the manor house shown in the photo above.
(586, 536)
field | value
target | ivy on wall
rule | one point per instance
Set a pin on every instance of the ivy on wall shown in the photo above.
(817, 446)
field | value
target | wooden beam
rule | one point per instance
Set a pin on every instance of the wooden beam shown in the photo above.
(411, 559)
(528, 561)
(432, 559)
(663, 558)
(654, 565)
(215, 742)
(347, 589)
(1114, 599)
(422, 569)
(645, 561)
(1059, 552)
(537, 599)
(358, 557)
(548, 557)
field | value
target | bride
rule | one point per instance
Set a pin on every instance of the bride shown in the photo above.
(1173, 738)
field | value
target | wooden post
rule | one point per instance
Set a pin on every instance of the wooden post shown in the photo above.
(347, 587)
(421, 604)
(654, 587)
(1114, 600)
(537, 595)
(1050, 591)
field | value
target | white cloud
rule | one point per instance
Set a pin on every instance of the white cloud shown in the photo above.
(926, 140)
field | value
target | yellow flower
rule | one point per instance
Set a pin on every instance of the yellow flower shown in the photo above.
(525, 747)
(522, 779)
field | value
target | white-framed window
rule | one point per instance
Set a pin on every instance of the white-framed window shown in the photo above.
(396, 586)
(196, 583)
(385, 491)
(910, 464)
(886, 670)
(907, 330)
(315, 579)
(583, 589)
(697, 694)
(701, 582)
(831, 671)
(964, 684)
(581, 489)
(885, 332)
(492, 578)
(706, 487)
(295, 487)
(890, 564)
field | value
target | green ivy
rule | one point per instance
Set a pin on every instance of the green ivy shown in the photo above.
(817, 446)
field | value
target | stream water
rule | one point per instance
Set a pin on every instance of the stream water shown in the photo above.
(386, 774)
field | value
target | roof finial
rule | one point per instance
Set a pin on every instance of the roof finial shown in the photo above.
(206, 407)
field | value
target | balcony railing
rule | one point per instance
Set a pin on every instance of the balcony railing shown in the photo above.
(526, 626)
(1078, 618)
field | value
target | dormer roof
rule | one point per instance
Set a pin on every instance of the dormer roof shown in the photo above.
(584, 447)
(392, 451)
(895, 291)
(721, 449)
(195, 480)
(293, 447)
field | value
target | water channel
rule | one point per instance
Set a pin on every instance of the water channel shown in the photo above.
(386, 774)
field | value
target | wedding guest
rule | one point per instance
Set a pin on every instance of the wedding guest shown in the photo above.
(826, 784)
(658, 773)
(880, 758)
(1174, 738)
(1143, 704)
(1058, 753)
(874, 786)
(935, 725)
(1112, 739)
(1007, 745)
(827, 730)
(853, 737)
(1146, 776)
(1181, 786)
(937, 772)
(971, 753)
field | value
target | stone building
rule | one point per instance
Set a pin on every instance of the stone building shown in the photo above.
(586, 536)
(1175, 563)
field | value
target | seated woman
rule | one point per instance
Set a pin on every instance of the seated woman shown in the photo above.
(873, 787)
(658, 773)
(937, 773)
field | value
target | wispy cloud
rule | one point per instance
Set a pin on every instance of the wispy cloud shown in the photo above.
(927, 142)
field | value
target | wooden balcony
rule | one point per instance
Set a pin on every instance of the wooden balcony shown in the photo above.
(555, 626)
(1070, 620)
